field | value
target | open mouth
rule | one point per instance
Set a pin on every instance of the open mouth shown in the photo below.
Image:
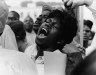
(38, 22)
(43, 33)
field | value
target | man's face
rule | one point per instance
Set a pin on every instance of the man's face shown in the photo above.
(40, 20)
(45, 15)
(11, 18)
(86, 33)
(28, 23)
(48, 33)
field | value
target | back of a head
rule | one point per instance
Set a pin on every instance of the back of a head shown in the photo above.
(87, 66)
(18, 29)
(16, 14)
(3, 14)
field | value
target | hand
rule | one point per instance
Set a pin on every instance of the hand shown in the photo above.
(76, 3)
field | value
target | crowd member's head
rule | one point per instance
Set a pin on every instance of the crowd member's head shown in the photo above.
(12, 16)
(28, 24)
(45, 12)
(58, 29)
(87, 29)
(20, 34)
(3, 15)
(87, 66)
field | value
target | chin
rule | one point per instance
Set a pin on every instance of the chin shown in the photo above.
(41, 45)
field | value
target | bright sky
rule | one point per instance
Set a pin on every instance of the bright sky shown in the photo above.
(48, 0)
(17, 2)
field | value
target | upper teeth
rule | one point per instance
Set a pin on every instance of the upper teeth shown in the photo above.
(44, 29)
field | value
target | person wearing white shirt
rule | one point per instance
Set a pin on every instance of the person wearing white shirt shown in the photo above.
(7, 37)
(13, 62)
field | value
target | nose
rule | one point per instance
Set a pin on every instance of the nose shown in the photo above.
(84, 32)
(39, 18)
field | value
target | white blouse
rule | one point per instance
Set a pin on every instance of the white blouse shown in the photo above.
(16, 63)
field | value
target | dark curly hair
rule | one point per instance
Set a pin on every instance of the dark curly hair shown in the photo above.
(68, 25)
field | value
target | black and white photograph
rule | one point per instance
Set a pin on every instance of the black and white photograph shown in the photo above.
(47, 37)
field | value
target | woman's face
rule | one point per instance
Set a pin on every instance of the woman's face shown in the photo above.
(11, 18)
(48, 33)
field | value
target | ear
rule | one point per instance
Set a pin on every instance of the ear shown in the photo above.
(61, 43)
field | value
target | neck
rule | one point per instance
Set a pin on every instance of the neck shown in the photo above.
(50, 49)
(85, 44)
(1, 33)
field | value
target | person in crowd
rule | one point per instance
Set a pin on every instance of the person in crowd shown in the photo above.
(46, 9)
(12, 16)
(32, 50)
(87, 33)
(30, 34)
(28, 23)
(12, 62)
(75, 46)
(87, 66)
(21, 40)
(90, 4)
(51, 36)
(7, 37)
(20, 34)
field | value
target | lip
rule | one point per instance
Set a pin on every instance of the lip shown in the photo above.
(84, 37)
(43, 33)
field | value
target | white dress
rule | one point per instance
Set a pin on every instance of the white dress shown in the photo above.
(7, 39)
(16, 63)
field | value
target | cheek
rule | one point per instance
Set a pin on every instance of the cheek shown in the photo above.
(55, 34)
(89, 34)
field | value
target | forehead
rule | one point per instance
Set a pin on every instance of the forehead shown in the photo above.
(53, 19)
(46, 12)
(28, 19)
(86, 27)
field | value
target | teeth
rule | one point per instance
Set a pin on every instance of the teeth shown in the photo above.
(44, 30)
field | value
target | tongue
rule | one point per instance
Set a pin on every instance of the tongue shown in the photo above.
(42, 35)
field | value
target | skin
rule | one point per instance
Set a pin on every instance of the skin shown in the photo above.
(86, 33)
(28, 23)
(48, 40)
(41, 19)
(11, 18)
